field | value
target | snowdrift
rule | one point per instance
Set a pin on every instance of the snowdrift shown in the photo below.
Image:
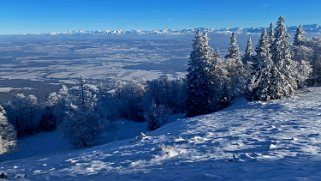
(277, 140)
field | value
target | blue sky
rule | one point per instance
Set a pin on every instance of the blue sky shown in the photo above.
(36, 16)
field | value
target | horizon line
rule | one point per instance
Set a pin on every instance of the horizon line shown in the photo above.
(147, 30)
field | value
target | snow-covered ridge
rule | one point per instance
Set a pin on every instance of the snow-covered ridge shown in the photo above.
(277, 140)
(314, 28)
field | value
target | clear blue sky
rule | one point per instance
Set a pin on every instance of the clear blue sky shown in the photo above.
(35, 16)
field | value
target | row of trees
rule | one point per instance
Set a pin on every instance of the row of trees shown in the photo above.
(272, 70)
(275, 70)
(88, 109)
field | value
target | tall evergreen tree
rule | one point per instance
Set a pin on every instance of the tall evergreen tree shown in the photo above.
(233, 50)
(299, 36)
(220, 98)
(238, 73)
(199, 77)
(262, 79)
(271, 33)
(316, 60)
(301, 55)
(248, 55)
(283, 75)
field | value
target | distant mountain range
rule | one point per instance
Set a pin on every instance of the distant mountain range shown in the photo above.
(313, 28)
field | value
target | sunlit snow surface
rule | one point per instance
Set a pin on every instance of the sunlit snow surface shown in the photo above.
(278, 140)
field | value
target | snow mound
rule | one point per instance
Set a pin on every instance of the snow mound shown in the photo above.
(277, 140)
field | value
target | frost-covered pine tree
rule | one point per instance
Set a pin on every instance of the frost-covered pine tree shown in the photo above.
(271, 34)
(248, 55)
(238, 73)
(81, 124)
(260, 84)
(299, 36)
(299, 50)
(304, 71)
(220, 98)
(233, 50)
(248, 58)
(302, 56)
(7, 134)
(199, 77)
(283, 78)
(315, 43)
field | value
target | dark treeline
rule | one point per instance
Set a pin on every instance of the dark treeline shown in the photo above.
(86, 109)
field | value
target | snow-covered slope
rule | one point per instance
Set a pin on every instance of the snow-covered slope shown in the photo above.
(278, 140)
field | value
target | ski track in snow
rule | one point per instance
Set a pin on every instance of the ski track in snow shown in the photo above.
(277, 140)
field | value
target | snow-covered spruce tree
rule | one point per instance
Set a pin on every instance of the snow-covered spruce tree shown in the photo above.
(248, 55)
(233, 50)
(81, 124)
(199, 77)
(283, 78)
(315, 44)
(302, 56)
(299, 36)
(249, 59)
(304, 71)
(271, 34)
(220, 94)
(261, 80)
(238, 73)
(7, 134)
(300, 48)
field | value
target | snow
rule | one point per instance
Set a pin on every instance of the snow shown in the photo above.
(277, 140)
(5, 89)
(42, 143)
(54, 142)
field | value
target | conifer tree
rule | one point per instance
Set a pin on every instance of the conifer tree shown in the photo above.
(238, 73)
(233, 50)
(199, 77)
(301, 55)
(219, 79)
(248, 55)
(283, 78)
(271, 34)
(262, 79)
(299, 36)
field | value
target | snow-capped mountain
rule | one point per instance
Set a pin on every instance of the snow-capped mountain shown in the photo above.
(313, 28)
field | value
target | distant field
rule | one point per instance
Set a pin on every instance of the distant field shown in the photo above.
(39, 64)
